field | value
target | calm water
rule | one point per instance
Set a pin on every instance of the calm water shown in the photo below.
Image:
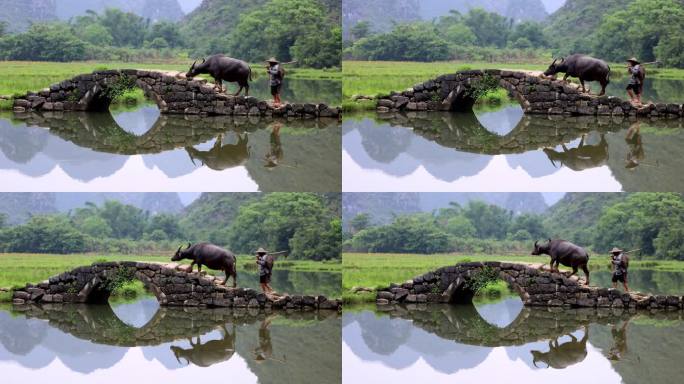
(142, 342)
(506, 151)
(491, 343)
(647, 281)
(296, 282)
(296, 90)
(140, 149)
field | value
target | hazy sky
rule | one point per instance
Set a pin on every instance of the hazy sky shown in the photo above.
(189, 5)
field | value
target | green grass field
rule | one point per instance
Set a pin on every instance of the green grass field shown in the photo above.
(373, 78)
(19, 269)
(380, 269)
(19, 77)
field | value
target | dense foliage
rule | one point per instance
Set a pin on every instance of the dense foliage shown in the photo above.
(613, 30)
(306, 31)
(651, 222)
(476, 35)
(305, 225)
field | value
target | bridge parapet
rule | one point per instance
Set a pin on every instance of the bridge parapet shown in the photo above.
(171, 284)
(172, 91)
(535, 283)
(535, 93)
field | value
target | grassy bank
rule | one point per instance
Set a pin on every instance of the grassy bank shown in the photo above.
(19, 77)
(373, 78)
(19, 269)
(379, 270)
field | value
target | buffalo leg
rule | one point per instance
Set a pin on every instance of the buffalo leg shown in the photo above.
(582, 82)
(574, 270)
(604, 84)
(586, 272)
(552, 263)
(565, 78)
(238, 92)
(192, 265)
(247, 89)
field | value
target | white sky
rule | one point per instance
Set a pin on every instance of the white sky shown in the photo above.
(189, 5)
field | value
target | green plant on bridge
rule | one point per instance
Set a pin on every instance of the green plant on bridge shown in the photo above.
(119, 278)
(486, 84)
(119, 86)
(481, 279)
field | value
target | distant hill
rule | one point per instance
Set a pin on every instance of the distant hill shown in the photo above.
(518, 10)
(155, 10)
(213, 211)
(154, 202)
(574, 216)
(384, 206)
(381, 14)
(19, 207)
(20, 14)
(572, 25)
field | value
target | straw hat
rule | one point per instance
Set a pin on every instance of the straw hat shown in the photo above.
(260, 251)
(273, 60)
(616, 250)
(634, 60)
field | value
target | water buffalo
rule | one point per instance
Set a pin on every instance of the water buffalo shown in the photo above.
(566, 253)
(209, 353)
(220, 156)
(584, 67)
(561, 356)
(212, 256)
(223, 68)
(581, 158)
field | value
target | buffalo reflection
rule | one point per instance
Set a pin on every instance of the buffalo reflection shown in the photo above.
(583, 157)
(209, 353)
(222, 156)
(563, 355)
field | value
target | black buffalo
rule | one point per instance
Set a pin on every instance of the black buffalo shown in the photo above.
(566, 253)
(212, 256)
(223, 68)
(586, 68)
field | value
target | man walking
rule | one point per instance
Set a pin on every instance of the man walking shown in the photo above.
(265, 266)
(619, 264)
(636, 81)
(276, 74)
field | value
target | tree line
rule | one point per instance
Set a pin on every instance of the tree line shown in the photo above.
(651, 222)
(648, 29)
(292, 30)
(300, 224)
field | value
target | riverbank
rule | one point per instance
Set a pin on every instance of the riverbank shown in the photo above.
(372, 271)
(20, 269)
(19, 77)
(373, 78)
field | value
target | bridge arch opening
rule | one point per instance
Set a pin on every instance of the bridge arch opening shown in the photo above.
(122, 284)
(119, 92)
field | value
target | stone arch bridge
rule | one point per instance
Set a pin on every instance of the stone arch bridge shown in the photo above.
(171, 91)
(170, 284)
(534, 283)
(535, 93)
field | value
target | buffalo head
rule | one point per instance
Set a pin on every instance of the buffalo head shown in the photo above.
(554, 68)
(194, 71)
(179, 255)
(539, 249)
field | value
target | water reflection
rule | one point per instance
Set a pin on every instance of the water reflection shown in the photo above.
(59, 340)
(444, 151)
(101, 151)
(455, 343)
